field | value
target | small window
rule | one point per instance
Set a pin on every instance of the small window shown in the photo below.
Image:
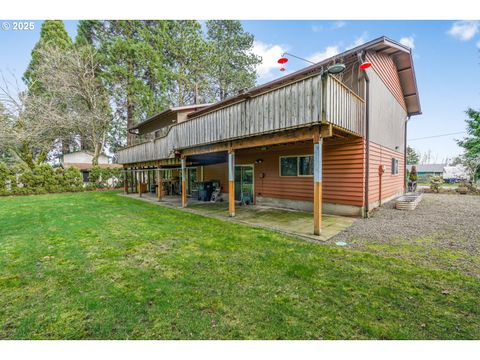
(296, 165)
(289, 166)
(394, 166)
(305, 165)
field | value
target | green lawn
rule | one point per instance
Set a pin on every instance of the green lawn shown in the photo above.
(101, 266)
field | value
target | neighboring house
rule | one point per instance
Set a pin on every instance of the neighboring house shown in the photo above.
(309, 140)
(448, 173)
(82, 160)
(424, 171)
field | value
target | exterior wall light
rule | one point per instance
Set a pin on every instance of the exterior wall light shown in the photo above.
(336, 69)
(365, 65)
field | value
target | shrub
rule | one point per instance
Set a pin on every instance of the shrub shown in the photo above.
(72, 179)
(435, 183)
(4, 175)
(14, 175)
(95, 177)
(21, 180)
(42, 176)
(90, 187)
(105, 177)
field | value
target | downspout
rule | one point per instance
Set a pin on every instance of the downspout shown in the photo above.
(405, 180)
(367, 136)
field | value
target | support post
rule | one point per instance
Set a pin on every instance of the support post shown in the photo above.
(184, 183)
(125, 181)
(231, 182)
(140, 182)
(133, 174)
(317, 178)
(159, 185)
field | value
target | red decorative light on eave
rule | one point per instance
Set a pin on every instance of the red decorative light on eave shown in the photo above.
(365, 65)
(282, 60)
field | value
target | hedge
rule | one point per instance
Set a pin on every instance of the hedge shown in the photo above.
(21, 180)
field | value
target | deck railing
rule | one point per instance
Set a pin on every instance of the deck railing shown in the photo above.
(343, 107)
(294, 105)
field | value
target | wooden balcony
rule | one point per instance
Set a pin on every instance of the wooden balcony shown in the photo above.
(307, 102)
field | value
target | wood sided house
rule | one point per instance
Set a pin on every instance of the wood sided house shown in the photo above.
(310, 140)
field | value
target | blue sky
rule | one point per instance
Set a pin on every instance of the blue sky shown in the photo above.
(446, 59)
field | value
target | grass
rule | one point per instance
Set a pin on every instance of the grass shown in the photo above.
(101, 266)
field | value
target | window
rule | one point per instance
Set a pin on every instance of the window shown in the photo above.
(289, 166)
(296, 165)
(305, 165)
(394, 166)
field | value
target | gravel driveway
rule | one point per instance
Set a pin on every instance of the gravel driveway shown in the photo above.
(442, 225)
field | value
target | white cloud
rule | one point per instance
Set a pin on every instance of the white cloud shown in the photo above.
(270, 55)
(338, 25)
(464, 30)
(322, 55)
(408, 41)
(360, 40)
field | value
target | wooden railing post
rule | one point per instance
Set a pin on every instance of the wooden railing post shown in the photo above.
(317, 184)
(231, 182)
(184, 183)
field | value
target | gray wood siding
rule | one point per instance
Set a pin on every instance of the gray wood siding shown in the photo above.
(295, 105)
(387, 115)
(343, 107)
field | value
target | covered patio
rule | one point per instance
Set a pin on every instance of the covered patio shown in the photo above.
(291, 222)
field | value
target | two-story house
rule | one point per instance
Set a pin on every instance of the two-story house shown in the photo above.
(328, 138)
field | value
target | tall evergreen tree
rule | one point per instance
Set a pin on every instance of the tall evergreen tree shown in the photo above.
(413, 157)
(52, 32)
(132, 69)
(232, 63)
(188, 60)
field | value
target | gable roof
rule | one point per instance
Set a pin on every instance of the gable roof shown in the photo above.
(401, 54)
(438, 168)
(167, 112)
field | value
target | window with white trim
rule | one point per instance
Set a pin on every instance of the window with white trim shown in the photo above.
(298, 165)
(394, 166)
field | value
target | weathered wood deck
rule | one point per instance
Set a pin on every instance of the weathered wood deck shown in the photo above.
(303, 103)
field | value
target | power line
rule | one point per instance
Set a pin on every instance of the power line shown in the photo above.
(435, 136)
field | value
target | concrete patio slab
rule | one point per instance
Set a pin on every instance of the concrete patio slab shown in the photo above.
(291, 222)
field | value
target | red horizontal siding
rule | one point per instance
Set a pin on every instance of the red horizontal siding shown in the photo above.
(391, 184)
(343, 172)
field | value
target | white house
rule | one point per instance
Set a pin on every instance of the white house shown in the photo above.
(83, 160)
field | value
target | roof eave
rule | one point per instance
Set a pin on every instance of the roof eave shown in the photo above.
(302, 72)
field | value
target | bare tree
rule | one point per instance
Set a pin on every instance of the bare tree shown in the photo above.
(71, 77)
(30, 125)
